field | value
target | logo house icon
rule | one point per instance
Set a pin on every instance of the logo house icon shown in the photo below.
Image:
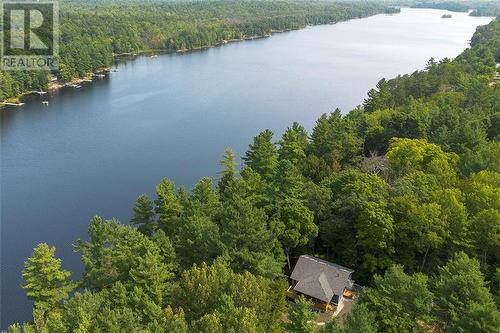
(29, 38)
(26, 20)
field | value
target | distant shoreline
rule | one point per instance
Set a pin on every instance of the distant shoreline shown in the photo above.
(57, 85)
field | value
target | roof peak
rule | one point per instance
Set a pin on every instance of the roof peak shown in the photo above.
(319, 278)
(324, 262)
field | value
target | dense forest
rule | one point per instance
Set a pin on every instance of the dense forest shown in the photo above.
(451, 6)
(477, 7)
(486, 9)
(405, 190)
(92, 32)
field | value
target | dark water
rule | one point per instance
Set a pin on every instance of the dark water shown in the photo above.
(94, 150)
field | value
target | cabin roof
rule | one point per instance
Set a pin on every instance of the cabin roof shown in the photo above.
(320, 279)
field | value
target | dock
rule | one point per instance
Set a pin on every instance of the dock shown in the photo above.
(11, 104)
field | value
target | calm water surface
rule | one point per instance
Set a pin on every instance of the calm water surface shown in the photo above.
(94, 150)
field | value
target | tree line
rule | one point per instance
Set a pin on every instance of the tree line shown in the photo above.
(404, 189)
(92, 32)
(476, 7)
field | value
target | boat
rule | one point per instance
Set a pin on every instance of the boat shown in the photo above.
(45, 102)
(446, 16)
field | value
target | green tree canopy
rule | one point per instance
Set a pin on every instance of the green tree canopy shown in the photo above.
(46, 284)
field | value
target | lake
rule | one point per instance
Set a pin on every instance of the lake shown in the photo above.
(94, 150)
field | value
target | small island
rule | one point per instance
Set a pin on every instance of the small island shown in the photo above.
(446, 16)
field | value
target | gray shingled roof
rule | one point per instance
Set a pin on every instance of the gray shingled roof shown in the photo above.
(320, 279)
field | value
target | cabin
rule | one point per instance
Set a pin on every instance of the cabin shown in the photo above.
(322, 282)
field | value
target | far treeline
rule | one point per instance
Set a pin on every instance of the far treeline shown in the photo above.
(477, 7)
(92, 32)
(405, 190)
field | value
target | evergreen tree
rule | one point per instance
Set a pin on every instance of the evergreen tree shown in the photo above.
(262, 156)
(247, 240)
(46, 284)
(174, 321)
(205, 198)
(398, 300)
(20, 328)
(301, 317)
(228, 173)
(380, 98)
(198, 238)
(289, 183)
(332, 326)
(480, 318)
(360, 320)
(143, 216)
(219, 292)
(335, 140)
(293, 144)
(358, 203)
(119, 253)
(168, 206)
(462, 298)
(235, 320)
(152, 275)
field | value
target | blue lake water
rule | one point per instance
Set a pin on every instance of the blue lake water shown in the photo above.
(94, 150)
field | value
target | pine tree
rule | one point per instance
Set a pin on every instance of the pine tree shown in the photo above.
(198, 238)
(174, 321)
(45, 282)
(228, 173)
(289, 183)
(247, 240)
(168, 206)
(462, 297)
(144, 215)
(262, 156)
(205, 198)
(380, 98)
(301, 317)
(293, 144)
(152, 275)
(360, 320)
(399, 300)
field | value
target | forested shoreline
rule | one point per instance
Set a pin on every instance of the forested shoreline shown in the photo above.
(405, 190)
(92, 32)
(476, 8)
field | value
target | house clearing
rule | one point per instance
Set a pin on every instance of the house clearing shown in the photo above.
(328, 286)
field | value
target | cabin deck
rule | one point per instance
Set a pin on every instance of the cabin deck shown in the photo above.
(319, 305)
